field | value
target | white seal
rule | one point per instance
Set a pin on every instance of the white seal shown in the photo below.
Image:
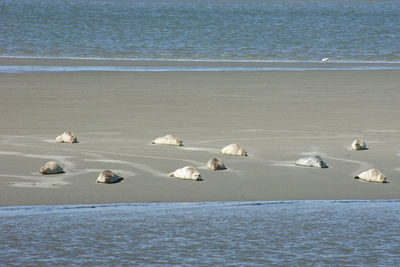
(313, 161)
(188, 173)
(372, 175)
(169, 139)
(233, 149)
(358, 144)
(67, 137)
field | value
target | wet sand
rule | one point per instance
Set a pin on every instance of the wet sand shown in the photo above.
(277, 116)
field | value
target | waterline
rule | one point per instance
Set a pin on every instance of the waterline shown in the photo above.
(183, 66)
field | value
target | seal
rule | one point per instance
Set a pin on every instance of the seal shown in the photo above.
(215, 164)
(358, 144)
(372, 175)
(187, 173)
(169, 139)
(108, 177)
(67, 137)
(51, 167)
(313, 161)
(233, 149)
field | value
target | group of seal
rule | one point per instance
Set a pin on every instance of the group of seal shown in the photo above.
(53, 167)
(190, 173)
(187, 172)
(371, 175)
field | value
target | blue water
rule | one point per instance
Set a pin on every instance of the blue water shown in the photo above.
(248, 30)
(287, 233)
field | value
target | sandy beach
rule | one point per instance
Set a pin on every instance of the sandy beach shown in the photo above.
(277, 116)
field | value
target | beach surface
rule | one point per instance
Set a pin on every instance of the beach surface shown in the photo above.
(277, 116)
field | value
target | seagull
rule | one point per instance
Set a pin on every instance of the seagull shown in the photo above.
(325, 60)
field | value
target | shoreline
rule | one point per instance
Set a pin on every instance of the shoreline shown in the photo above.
(191, 204)
(40, 65)
(277, 117)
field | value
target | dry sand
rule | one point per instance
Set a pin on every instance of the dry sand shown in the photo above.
(277, 117)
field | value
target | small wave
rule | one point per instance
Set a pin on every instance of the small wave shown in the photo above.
(13, 210)
(192, 67)
(205, 60)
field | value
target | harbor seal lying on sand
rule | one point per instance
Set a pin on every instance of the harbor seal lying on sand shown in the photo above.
(314, 161)
(358, 144)
(169, 139)
(372, 175)
(215, 164)
(233, 149)
(51, 167)
(108, 177)
(67, 137)
(188, 173)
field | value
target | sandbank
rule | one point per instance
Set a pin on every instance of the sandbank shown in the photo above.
(277, 116)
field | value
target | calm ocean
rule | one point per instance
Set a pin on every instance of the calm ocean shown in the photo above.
(288, 233)
(244, 30)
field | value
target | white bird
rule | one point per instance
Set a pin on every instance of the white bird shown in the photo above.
(325, 60)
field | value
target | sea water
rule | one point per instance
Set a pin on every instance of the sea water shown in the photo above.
(244, 30)
(272, 233)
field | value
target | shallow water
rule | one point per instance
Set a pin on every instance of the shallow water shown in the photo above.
(251, 30)
(349, 233)
(289, 67)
